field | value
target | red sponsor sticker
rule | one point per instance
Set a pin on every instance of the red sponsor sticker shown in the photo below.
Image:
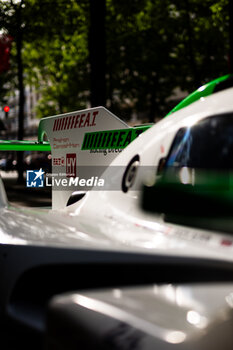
(83, 120)
(162, 149)
(71, 161)
(59, 161)
(226, 242)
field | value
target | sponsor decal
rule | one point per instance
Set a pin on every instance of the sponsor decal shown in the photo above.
(71, 161)
(59, 161)
(82, 120)
(106, 151)
(191, 235)
(35, 178)
(110, 139)
(226, 242)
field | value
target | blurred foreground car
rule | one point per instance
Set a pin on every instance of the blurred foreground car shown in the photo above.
(111, 227)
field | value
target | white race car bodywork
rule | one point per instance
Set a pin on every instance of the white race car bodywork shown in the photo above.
(105, 227)
(166, 316)
(119, 215)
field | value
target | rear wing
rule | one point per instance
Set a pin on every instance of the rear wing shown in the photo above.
(80, 142)
(91, 137)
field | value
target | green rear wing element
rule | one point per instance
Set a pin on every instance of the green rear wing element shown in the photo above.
(94, 140)
(111, 139)
(205, 90)
(14, 145)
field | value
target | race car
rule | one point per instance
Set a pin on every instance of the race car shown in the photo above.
(102, 230)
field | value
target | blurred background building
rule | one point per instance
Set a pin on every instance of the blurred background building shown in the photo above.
(10, 120)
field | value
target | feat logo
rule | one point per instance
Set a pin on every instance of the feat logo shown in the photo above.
(35, 178)
(71, 164)
(75, 121)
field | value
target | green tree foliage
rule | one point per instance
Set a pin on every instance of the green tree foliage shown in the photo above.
(156, 46)
(56, 55)
(152, 48)
(141, 69)
(202, 37)
(8, 26)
